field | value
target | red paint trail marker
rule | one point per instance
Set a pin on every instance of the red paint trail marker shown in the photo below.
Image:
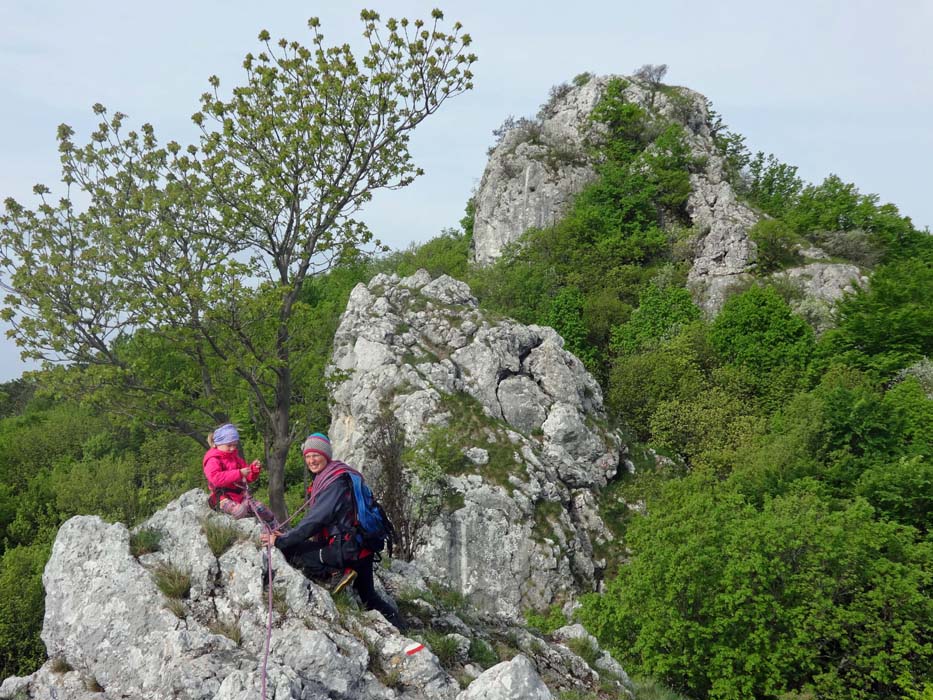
(413, 649)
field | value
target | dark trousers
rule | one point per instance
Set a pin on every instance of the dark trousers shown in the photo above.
(320, 561)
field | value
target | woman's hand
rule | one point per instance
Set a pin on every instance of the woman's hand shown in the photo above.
(269, 538)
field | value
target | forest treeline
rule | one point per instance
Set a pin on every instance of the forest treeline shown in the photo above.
(785, 457)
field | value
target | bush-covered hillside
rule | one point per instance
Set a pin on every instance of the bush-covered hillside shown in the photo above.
(786, 474)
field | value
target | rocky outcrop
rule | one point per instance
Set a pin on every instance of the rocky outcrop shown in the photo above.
(524, 412)
(538, 166)
(819, 285)
(112, 631)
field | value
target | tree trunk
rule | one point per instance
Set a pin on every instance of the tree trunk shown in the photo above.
(281, 431)
(278, 452)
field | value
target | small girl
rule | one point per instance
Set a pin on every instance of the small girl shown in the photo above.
(227, 475)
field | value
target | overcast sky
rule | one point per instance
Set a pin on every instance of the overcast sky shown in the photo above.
(831, 87)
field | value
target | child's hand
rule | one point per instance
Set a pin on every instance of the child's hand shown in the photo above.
(254, 469)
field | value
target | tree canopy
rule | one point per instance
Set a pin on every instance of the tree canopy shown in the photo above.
(178, 288)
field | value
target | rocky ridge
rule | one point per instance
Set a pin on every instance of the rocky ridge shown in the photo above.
(523, 525)
(537, 168)
(111, 633)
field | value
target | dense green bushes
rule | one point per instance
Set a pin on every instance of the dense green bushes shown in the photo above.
(800, 595)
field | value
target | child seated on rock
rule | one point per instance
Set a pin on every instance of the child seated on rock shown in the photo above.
(227, 475)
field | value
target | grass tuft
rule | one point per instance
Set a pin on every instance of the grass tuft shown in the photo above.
(482, 654)
(177, 608)
(444, 646)
(145, 541)
(61, 665)
(220, 534)
(229, 629)
(172, 581)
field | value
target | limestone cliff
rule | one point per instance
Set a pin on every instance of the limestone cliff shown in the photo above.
(525, 414)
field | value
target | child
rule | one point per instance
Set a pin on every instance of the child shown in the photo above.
(227, 475)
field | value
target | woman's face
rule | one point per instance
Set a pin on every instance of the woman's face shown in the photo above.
(316, 462)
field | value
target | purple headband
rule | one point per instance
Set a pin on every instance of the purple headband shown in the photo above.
(226, 435)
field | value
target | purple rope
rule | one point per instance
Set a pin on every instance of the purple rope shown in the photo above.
(265, 660)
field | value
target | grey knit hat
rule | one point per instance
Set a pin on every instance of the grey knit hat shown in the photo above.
(318, 442)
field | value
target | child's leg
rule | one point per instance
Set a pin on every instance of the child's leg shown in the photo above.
(234, 509)
(265, 514)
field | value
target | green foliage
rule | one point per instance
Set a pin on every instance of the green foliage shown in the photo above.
(676, 370)
(548, 621)
(663, 309)
(444, 646)
(791, 597)
(145, 541)
(482, 654)
(565, 315)
(706, 430)
(888, 325)
(447, 254)
(777, 245)
(171, 580)
(650, 689)
(773, 186)
(22, 607)
(435, 455)
(759, 331)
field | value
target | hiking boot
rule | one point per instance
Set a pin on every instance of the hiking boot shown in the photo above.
(347, 579)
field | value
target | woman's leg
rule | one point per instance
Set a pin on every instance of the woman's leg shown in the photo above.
(366, 589)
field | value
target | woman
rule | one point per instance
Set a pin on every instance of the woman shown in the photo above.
(323, 544)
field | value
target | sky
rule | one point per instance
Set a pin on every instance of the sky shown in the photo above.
(828, 86)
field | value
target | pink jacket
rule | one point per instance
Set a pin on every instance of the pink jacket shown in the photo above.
(222, 470)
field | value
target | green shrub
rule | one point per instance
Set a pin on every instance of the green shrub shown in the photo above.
(482, 654)
(22, 607)
(888, 325)
(801, 595)
(663, 310)
(776, 243)
(548, 621)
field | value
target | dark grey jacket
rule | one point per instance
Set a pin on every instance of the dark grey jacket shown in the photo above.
(333, 509)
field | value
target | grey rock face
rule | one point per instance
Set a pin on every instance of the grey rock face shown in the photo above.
(820, 286)
(535, 171)
(423, 349)
(510, 680)
(115, 633)
(107, 618)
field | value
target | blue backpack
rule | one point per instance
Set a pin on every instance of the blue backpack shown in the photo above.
(374, 529)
